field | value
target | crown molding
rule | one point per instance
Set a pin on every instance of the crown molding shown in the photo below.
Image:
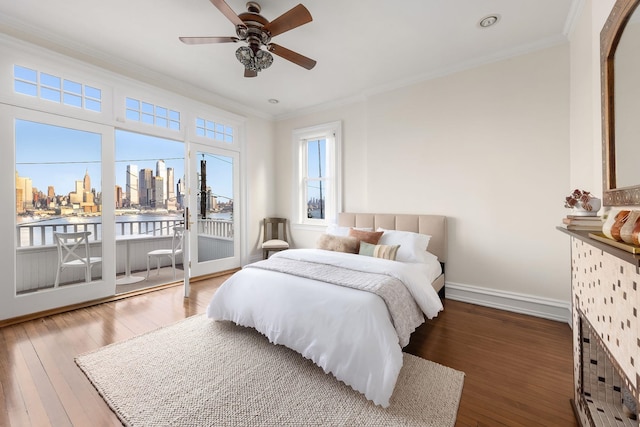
(434, 74)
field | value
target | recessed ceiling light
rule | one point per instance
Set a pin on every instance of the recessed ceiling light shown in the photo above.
(488, 21)
(273, 101)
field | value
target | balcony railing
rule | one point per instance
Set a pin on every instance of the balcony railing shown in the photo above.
(36, 234)
(37, 255)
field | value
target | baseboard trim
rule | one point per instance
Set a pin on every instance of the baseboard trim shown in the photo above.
(546, 308)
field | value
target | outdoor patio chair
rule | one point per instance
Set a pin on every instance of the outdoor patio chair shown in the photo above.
(73, 252)
(176, 249)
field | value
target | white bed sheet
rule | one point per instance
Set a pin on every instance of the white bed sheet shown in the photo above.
(345, 331)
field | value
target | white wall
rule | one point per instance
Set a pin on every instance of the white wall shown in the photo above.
(488, 147)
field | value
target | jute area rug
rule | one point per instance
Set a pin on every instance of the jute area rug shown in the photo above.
(199, 373)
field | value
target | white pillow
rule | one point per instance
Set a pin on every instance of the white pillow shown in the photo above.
(413, 246)
(336, 230)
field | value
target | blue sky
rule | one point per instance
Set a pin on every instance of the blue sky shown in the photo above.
(53, 155)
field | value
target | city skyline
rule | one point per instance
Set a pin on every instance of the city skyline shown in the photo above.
(56, 156)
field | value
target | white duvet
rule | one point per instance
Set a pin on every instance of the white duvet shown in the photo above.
(345, 331)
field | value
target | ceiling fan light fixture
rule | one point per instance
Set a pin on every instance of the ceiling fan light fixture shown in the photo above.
(254, 61)
(263, 59)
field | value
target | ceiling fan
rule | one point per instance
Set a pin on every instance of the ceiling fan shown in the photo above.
(257, 31)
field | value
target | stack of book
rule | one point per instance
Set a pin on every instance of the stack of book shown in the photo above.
(586, 223)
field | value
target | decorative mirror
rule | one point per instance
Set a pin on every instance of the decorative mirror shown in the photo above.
(620, 66)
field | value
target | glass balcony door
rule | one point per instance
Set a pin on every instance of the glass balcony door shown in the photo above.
(215, 217)
(59, 241)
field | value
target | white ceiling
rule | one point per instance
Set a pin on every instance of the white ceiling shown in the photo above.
(361, 46)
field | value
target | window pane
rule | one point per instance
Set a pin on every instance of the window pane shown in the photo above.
(133, 104)
(162, 122)
(174, 115)
(92, 92)
(50, 94)
(58, 176)
(25, 88)
(149, 175)
(161, 112)
(147, 108)
(315, 203)
(23, 73)
(215, 206)
(316, 155)
(174, 125)
(73, 87)
(92, 105)
(147, 118)
(133, 115)
(49, 80)
(72, 100)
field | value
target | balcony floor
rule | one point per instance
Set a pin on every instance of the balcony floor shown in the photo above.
(165, 276)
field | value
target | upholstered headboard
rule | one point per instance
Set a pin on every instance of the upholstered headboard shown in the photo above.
(433, 225)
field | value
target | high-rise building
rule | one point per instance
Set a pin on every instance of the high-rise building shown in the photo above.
(25, 184)
(158, 192)
(87, 182)
(132, 185)
(171, 192)
(77, 197)
(145, 186)
(118, 196)
(180, 188)
(161, 171)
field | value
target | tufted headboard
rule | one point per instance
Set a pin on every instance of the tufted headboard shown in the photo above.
(433, 225)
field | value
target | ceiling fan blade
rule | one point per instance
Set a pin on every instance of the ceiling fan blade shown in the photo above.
(205, 40)
(250, 73)
(292, 56)
(295, 17)
(228, 12)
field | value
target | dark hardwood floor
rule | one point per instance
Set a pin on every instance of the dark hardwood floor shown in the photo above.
(518, 368)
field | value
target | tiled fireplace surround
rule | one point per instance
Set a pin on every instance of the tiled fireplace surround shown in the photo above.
(606, 333)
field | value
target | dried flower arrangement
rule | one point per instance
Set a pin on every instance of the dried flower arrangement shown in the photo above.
(579, 198)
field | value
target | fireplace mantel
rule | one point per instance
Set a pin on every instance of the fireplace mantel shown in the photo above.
(616, 252)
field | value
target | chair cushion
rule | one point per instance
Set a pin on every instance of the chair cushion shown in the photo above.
(275, 244)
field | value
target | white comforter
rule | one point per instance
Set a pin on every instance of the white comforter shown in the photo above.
(345, 331)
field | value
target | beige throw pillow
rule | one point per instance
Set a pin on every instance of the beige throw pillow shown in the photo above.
(346, 244)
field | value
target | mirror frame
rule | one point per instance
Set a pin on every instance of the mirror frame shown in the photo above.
(609, 39)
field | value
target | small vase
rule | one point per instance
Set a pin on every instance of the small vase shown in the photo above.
(595, 203)
(614, 222)
(628, 232)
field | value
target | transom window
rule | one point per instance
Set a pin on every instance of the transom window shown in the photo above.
(27, 81)
(155, 115)
(212, 130)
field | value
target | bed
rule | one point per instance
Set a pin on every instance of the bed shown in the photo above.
(300, 298)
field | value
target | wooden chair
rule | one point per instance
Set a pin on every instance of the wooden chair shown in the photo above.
(275, 236)
(176, 249)
(73, 252)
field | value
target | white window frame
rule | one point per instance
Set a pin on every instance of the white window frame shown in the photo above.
(332, 133)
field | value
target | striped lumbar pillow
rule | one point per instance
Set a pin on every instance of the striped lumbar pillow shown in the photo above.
(379, 251)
